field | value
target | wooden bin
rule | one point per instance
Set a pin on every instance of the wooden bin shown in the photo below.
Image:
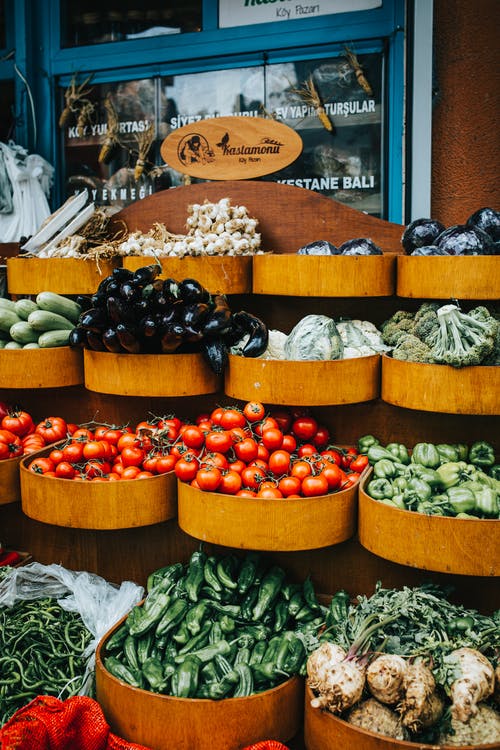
(325, 276)
(97, 505)
(267, 524)
(441, 277)
(41, 368)
(318, 383)
(226, 274)
(10, 486)
(441, 388)
(149, 374)
(324, 731)
(163, 722)
(60, 275)
(461, 546)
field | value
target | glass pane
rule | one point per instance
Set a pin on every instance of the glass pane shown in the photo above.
(3, 39)
(8, 120)
(114, 20)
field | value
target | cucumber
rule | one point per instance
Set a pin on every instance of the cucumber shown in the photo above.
(51, 339)
(7, 319)
(56, 303)
(13, 345)
(32, 345)
(23, 333)
(42, 320)
(7, 304)
(23, 307)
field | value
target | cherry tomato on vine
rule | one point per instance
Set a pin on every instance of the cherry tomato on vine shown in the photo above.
(165, 464)
(52, 429)
(272, 438)
(304, 427)
(73, 452)
(333, 475)
(246, 493)
(64, 470)
(279, 462)
(100, 432)
(216, 414)
(334, 455)
(246, 450)
(218, 441)
(41, 465)
(144, 475)
(301, 469)
(359, 464)
(19, 422)
(237, 465)
(252, 477)
(289, 486)
(269, 492)
(130, 472)
(267, 423)
(56, 456)
(313, 486)
(289, 443)
(131, 456)
(254, 411)
(350, 480)
(283, 418)
(192, 436)
(232, 417)
(215, 458)
(208, 478)
(322, 437)
(230, 483)
(349, 455)
(82, 435)
(307, 449)
(186, 468)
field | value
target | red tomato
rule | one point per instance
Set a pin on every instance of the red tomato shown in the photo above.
(289, 486)
(149, 464)
(205, 425)
(94, 449)
(237, 465)
(114, 477)
(144, 475)
(239, 433)
(19, 422)
(204, 417)
(192, 436)
(246, 450)
(269, 492)
(322, 437)
(333, 454)
(96, 468)
(165, 464)
(313, 486)
(41, 465)
(186, 468)
(301, 469)
(82, 434)
(307, 449)
(359, 464)
(279, 462)
(230, 483)
(208, 478)
(216, 459)
(252, 476)
(64, 470)
(194, 483)
(283, 418)
(10, 450)
(73, 452)
(131, 456)
(232, 417)
(333, 475)
(127, 440)
(262, 453)
(6, 436)
(216, 415)
(246, 493)
(289, 443)
(254, 411)
(172, 422)
(267, 423)
(304, 428)
(56, 456)
(218, 441)
(272, 438)
(349, 455)
(260, 463)
(350, 480)
(100, 432)
(71, 427)
(130, 472)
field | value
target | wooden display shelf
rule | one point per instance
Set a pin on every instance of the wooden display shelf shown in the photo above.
(281, 524)
(308, 383)
(10, 487)
(443, 544)
(223, 274)
(149, 374)
(324, 731)
(440, 277)
(163, 722)
(324, 276)
(57, 367)
(97, 505)
(61, 275)
(440, 388)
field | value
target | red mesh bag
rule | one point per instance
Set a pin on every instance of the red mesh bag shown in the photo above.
(267, 745)
(46, 723)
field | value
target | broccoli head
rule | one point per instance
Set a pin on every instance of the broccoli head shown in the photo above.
(463, 339)
(411, 349)
(399, 324)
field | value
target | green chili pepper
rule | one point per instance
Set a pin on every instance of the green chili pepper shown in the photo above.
(399, 451)
(296, 603)
(296, 658)
(144, 646)
(130, 652)
(153, 671)
(338, 609)
(200, 640)
(258, 652)
(147, 619)
(207, 653)
(268, 672)
(225, 569)
(195, 575)
(248, 603)
(163, 577)
(116, 641)
(310, 594)
(209, 572)
(426, 454)
(268, 591)
(482, 454)
(122, 672)
(209, 673)
(379, 489)
(245, 682)
(247, 573)
(461, 499)
(215, 633)
(384, 469)
(172, 617)
(182, 635)
(280, 616)
(366, 442)
(447, 453)
(227, 624)
(195, 616)
(185, 678)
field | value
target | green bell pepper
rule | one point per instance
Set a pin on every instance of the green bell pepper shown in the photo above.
(428, 508)
(463, 451)
(447, 452)
(461, 499)
(398, 501)
(494, 472)
(399, 451)
(452, 473)
(418, 488)
(384, 469)
(430, 476)
(426, 454)
(482, 454)
(487, 502)
(365, 442)
(379, 489)
(377, 453)
(399, 484)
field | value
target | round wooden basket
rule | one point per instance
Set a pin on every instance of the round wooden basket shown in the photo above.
(311, 383)
(60, 275)
(440, 388)
(441, 277)
(40, 368)
(267, 524)
(10, 487)
(325, 276)
(163, 722)
(225, 274)
(443, 544)
(324, 731)
(149, 374)
(97, 505)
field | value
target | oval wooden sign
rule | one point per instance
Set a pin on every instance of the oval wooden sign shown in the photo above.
(231, 148)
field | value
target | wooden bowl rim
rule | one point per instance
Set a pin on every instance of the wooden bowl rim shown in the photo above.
(445, 368)
(307, 362)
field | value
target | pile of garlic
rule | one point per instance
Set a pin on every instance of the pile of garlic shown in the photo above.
(213, 229)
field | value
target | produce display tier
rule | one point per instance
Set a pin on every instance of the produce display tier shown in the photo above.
(441, 388)
(267, 524)
(60, 275)
(97, 505)
(307, 383)
(56, 367)
(164, 722)
(439, 277)
(221, 273)
(461, 546)
(149, 374)
(10, 488)
(324, 275)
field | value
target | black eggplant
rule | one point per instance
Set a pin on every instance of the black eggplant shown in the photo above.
(257, 330)
(140, 307)
(219, 319)
(215, 353)
(130, 291)
(149, 326)
(78, 337)
(170, 341)
(147, 274)
(111, 341)
(194, 314)
(128, 338)
(122, 274)
(119, 311)
(94, 341)
(94, 319)
(191, 290)
(85, 302)
(171, 289)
